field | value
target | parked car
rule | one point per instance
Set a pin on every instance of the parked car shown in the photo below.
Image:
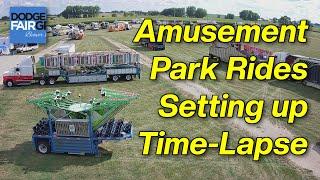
(82, 26)
(26, 48)
(104, 25)
(49, 29)
(94, 26)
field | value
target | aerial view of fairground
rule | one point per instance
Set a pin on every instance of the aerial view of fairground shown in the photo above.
(179, 89)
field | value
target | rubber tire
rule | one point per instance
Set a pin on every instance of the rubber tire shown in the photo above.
(45, 144)
(52, 81)
(42, 82)
(128, 77)
(9, 84)
(115, 78)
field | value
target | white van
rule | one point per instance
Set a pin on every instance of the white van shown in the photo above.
(4, 50)
(27, 47)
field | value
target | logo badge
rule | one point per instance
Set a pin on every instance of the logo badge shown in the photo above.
(28, 25)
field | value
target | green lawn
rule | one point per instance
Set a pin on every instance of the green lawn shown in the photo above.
(92, 42)
(248, 89)
(309, 49)
(4, 27)
(19, 161)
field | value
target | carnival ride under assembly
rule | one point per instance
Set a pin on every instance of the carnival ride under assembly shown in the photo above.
(75, 127)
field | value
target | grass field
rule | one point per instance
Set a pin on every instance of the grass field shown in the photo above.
(4, 28)
(19, 161)
(94, 43)
(248, 89)
(309, 49)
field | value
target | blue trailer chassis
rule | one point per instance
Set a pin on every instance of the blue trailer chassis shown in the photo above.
(72, 144)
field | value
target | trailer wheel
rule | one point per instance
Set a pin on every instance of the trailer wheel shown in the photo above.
(43, 147)
(52, 81)
(42, 82)
(115, 78)
(9, 84)
(128, 77)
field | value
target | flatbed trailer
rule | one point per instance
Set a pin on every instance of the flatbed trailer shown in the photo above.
(114, 73)
(27, 72)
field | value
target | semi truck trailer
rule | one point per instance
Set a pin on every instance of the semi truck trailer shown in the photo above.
(74, 68)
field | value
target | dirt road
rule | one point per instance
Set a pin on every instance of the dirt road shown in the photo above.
(310, 161)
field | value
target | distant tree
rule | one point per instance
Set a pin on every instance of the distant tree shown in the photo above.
(249, 15)
(180, 12)
(114, 15)
(201, 13)
(229, 16)
(139, 13)
(128, 14)
(5, 18)
(80, 11)
(176, 12)
(153, 13)
(191, 11)
(168, 12)
(275, 20)
(285, 20)
(218, 16)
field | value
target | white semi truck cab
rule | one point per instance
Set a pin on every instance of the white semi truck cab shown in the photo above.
(21, 74)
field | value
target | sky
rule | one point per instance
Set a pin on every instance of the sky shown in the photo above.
(296, 9)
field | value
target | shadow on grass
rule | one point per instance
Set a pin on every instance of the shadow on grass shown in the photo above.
(24, 156)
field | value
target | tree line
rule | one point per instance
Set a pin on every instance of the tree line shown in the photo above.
(253, 16)
(191, 11)
(80, 11)
(194, 12)
(287, 20)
